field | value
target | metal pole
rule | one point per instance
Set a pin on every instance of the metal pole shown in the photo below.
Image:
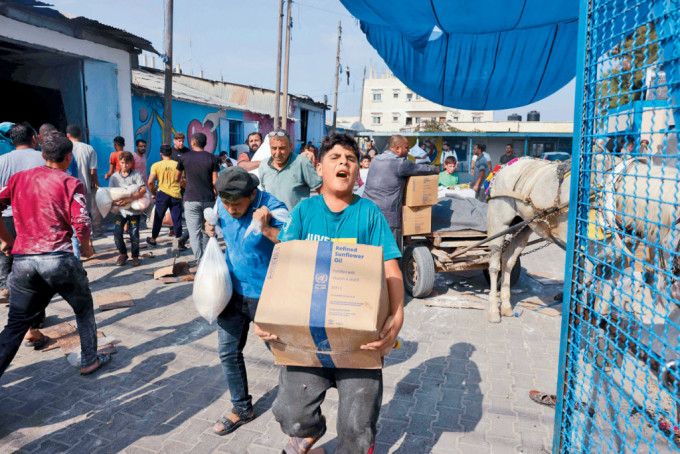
(337, 71)
(284, 114)
(167, 93)
(361, 101)
(277, 100)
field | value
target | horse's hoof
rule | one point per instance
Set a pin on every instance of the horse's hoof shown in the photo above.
(494, 317)
(507, 312)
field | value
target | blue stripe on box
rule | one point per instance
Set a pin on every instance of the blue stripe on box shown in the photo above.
(317, 308)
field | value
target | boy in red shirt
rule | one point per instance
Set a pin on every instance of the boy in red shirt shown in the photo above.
(45, 217)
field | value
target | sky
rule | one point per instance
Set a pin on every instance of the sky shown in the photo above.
(237, 40)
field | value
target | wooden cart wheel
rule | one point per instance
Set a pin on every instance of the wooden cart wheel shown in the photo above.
(418, 268)
(514, 274)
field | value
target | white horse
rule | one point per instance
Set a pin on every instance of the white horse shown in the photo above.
(637, 205)
(519, 192)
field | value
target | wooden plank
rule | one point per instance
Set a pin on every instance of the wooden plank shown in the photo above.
(453, 302)
(71, 343)
(461, 243)
(536, 304)
(111, 301)
(458, 234)
(55, 333)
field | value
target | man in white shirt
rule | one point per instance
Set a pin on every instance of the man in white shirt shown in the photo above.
(86, 158)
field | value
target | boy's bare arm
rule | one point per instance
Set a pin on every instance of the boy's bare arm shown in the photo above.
(392, 326)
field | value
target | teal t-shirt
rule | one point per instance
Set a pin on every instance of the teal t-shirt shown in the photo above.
(361, 222)
(447, 180)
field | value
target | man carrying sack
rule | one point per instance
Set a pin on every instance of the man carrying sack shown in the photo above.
(247, 256)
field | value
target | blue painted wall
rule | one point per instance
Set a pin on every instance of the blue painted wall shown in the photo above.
(187, 117)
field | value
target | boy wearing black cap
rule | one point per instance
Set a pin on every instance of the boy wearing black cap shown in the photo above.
(339, 215)
(248, 259)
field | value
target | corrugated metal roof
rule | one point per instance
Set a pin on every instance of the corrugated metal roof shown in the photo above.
(39, 14)
(249, 97)
(144, 83)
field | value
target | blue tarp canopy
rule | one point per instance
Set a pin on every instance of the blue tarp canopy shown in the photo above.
(490, 54)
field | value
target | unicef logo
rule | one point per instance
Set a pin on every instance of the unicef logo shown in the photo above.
(321, 278)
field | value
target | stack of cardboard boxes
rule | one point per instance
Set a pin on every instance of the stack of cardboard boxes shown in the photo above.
(420, 195)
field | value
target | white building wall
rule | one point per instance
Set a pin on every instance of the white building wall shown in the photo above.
(388, 105)
(55, 41)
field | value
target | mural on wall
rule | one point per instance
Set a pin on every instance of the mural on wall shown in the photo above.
(188, 118)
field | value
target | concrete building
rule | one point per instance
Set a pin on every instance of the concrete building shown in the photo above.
(388, 105)
(60, 70)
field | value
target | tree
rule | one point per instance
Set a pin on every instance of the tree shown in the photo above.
(624, 81)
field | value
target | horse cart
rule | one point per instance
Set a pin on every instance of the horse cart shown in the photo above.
(443, 251)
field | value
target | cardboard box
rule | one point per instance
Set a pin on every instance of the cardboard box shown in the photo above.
(416, 220)
(421, 191)
(324, 300)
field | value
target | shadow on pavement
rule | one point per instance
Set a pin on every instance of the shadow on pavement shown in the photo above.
(440, 395)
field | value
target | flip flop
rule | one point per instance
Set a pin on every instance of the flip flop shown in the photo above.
(104, 359)
(38, 344)
(542, 398)
(297, 445)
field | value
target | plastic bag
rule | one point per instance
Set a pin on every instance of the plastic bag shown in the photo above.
(141, 203)
(104, 201)
(212, 285)
(210, 216)
(255, 227)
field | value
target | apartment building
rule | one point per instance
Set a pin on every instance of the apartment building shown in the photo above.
(388, 105)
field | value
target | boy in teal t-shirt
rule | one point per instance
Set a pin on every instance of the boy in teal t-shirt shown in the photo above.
(338, 215)
(449, 177)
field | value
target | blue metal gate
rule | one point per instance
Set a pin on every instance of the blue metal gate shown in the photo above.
(620, 354)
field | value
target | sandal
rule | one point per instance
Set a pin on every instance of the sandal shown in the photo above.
(38, 344)
(103, 358)
(544, 399)
(297, 445)
(244, 416)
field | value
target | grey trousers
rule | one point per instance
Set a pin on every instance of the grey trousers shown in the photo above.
(193, 212)
(302, 390)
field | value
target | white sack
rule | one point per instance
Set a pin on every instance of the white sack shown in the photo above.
(212, 285)
(104, 201)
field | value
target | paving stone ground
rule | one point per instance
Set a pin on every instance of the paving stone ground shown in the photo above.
(458, 385)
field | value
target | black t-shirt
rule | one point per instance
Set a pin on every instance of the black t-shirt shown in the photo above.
(198, 167)
(176, 154)
(505, 158)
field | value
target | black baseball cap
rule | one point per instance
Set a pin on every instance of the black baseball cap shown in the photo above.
(236, 181)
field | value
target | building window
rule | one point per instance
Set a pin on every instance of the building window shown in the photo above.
(395, 118)
(456, 118)
(476, 119)
(433, 119)
(376, 119)
(395, 94)
(409, 121)
(417, 120)
(409, 97)
(442, 119)
(377, 96)
(417, 97)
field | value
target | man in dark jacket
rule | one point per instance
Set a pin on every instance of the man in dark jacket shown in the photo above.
(387, 177)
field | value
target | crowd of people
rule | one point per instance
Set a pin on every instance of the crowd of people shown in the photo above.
(40, 259)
